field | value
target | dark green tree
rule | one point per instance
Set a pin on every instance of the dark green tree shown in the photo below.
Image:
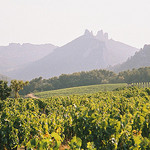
(5, 90)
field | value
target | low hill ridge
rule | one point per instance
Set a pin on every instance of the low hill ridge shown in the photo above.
(140, 59)
(17, 55)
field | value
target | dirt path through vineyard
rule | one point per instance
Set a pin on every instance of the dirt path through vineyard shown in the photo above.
(31, 95)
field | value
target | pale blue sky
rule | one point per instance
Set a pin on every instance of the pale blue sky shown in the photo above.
(60, 21)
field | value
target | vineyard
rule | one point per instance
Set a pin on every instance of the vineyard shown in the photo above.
(81, 90)
(118, 120)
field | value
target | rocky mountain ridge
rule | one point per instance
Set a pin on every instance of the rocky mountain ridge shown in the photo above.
(85, 53)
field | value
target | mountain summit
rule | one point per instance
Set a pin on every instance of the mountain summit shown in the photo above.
(89, 34)
(85, 53)
(102, 36)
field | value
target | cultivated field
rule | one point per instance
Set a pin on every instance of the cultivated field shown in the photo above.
(80, 90)
(111, 120)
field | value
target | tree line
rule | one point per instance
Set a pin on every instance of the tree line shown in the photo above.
(87, 78)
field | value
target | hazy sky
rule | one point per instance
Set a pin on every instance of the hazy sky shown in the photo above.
(60, 21)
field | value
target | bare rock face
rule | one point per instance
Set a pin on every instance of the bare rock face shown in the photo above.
(88, 34)
(106, 36)
(101, 36)
(146, 47)
(85, 53)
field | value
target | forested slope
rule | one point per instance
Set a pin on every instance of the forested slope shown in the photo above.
(140, 59)
(87, 78)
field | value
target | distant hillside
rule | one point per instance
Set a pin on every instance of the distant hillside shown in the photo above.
(85, 53)
(140, 59)
(16, 55)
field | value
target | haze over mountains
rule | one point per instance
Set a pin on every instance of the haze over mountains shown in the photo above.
(16, 55)
(5, 78)
(140, 59)
(85, 53)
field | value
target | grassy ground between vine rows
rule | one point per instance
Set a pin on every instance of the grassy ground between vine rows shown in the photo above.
(79, 90)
